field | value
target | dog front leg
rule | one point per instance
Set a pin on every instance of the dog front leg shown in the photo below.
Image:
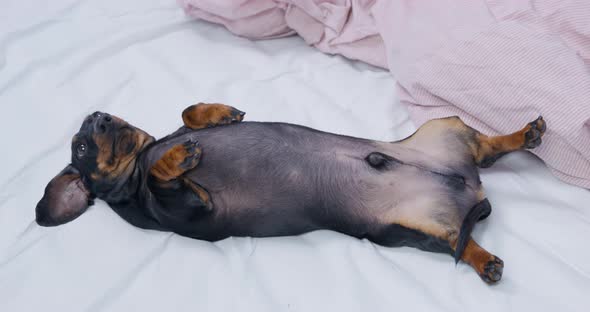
(204, 115)
(177, 160)
(171, 188)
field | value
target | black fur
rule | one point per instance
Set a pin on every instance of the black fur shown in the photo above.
(396, 235)
(275, 179)
(479, 212)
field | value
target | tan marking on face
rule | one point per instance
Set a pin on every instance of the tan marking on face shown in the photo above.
(113, 163)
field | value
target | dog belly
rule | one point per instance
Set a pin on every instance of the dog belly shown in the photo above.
(408, 197)
(277, 179)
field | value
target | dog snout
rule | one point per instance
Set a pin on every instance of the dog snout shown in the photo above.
(43, 218)
(94, 121)
(101, 122)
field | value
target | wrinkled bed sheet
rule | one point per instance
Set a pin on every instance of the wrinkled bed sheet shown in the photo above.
(145, 61)
(494, 63)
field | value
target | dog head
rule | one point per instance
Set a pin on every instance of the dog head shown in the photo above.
(104, 153)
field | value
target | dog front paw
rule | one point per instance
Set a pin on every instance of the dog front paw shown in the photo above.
(177, 160)
(204, 115)
(193, 151)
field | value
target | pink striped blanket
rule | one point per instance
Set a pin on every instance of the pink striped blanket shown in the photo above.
(494, 63)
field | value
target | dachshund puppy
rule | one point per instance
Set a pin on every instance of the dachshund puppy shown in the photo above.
(217, 177)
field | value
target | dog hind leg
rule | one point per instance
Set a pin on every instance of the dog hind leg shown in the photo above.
(489, 149)
(440, 234)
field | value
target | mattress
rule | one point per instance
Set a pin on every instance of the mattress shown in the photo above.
(145, 61)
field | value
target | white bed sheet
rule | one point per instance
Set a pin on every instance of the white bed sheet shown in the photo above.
(145, 61)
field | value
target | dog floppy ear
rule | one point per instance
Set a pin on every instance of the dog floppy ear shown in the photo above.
(66, 198)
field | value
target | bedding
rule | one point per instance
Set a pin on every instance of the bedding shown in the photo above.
(494, 63)
(146, 61)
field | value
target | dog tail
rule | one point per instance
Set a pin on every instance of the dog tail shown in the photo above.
(478, 212)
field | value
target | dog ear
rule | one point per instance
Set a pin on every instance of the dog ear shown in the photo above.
(66, 198)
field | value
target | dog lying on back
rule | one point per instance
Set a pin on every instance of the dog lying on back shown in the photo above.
(217, 177)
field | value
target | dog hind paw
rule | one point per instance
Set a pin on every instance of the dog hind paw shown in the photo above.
(492, 270)
(532, 138)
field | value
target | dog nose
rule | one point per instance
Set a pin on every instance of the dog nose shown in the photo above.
(102, 122)
(42, 218)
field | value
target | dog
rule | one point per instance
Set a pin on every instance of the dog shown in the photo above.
(217, 176)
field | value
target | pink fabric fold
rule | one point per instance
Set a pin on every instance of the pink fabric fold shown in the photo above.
(495, 63)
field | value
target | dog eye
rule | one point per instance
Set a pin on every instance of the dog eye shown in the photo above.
(81, 150)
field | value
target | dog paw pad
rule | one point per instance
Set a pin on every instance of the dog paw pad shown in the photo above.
(532, 138)
(492, 270)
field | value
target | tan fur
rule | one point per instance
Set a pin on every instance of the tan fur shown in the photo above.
(476, 256)
(204, 115)
(201, 192)
(441, 141)
(112, 163)
(168, 166)
(486, 146)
